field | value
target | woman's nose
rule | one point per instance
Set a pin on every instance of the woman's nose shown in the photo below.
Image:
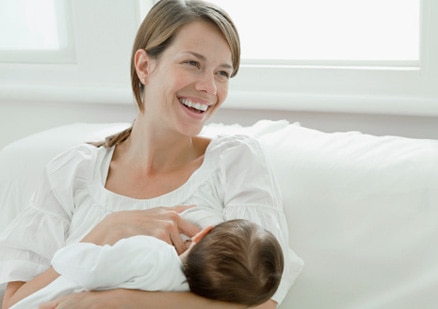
(207, 84)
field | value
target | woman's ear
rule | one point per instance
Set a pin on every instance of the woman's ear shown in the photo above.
(201, 234)
(142, 65)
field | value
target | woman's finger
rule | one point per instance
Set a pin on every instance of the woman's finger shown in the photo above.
(180, 208)
(50, 305)
(178, 243)
(185, 227)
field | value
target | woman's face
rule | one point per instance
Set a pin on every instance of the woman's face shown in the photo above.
(189, 81)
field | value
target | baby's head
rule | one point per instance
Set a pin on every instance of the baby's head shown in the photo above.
(237, 261)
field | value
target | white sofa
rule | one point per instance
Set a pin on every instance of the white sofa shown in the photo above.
(362, 209)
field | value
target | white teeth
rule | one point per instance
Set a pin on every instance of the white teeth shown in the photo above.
(198, 106)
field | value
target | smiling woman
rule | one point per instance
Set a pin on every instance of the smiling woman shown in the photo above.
(139, 181)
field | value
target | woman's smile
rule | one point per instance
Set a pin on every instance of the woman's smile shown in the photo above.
(195, 108)
(198, 107)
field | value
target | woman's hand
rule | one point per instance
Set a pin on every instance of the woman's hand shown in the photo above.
(164, 223)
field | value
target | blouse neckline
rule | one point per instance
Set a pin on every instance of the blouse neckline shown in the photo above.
(200, 173)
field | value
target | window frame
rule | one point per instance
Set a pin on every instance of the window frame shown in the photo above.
(100, 72)
(63, 55)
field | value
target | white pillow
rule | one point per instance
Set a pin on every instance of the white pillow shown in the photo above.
(362, 212)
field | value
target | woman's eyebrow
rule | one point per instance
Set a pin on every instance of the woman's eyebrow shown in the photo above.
(202, 57)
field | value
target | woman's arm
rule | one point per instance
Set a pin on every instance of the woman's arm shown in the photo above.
(17, 290)
(121, 298)
(134, 299)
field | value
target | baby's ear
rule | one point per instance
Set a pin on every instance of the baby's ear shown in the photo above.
(202, 233)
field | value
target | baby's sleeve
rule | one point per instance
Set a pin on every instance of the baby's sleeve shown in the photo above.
(138, 262)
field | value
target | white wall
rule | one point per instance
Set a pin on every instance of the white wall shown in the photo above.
(19, 119)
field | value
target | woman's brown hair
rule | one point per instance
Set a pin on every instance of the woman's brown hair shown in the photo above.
(157, 32)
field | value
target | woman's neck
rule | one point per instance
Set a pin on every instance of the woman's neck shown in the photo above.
(151, 162)
(153, 150)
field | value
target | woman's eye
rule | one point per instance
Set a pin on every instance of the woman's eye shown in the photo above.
(224, 74)
(193, 63)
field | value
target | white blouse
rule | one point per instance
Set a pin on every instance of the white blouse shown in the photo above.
(235, 180)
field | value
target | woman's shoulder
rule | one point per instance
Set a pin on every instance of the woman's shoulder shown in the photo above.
(78, 156)
(237, 144)
(229, 151)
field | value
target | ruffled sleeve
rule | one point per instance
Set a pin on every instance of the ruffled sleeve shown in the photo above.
(251, 193)
(30, 241)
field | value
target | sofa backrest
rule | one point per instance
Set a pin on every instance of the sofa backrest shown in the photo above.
(362, 209)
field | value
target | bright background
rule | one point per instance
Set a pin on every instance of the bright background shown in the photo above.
(367, 65)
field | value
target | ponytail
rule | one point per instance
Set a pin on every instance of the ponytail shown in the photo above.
(114, 139)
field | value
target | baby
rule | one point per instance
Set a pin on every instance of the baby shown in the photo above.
(236, 261)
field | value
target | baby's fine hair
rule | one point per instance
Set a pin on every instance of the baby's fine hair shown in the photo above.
(238, 261)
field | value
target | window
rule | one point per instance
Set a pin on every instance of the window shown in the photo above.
(35, 31)
(370, 56)
(144, 7)
(97, 72)
(306, 31)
